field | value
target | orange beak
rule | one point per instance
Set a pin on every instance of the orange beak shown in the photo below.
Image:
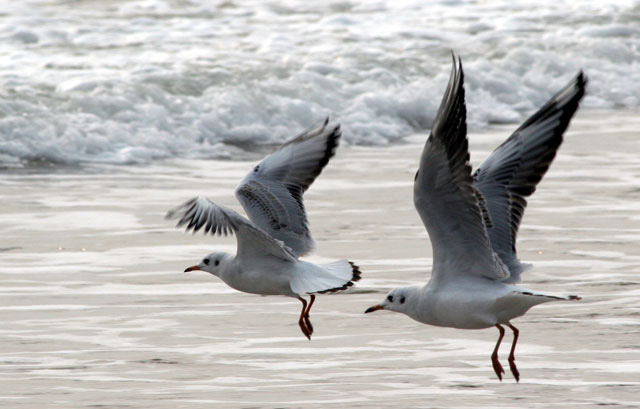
(374, 308)
(191, 268)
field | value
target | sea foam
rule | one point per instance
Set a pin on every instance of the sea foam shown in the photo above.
(139, 81)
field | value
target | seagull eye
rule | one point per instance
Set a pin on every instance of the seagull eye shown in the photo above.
(402, 300)
(390, 298)
(206, 261)
(217, 262)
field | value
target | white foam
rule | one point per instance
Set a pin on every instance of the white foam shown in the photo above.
(112, 86)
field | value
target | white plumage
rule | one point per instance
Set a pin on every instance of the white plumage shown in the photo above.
(266, 261)
(473, 221)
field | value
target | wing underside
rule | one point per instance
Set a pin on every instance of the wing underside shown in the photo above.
(512, 172)
(272, 193)
(201, 213)
(450, 207)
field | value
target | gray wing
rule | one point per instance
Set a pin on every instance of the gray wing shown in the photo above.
(252, 241)
(511, 173)
(450, 207)
(271, 193)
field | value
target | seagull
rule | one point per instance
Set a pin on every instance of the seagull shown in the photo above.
(270, 243)
(473, 220)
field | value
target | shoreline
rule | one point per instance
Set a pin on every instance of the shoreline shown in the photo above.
(494, 129)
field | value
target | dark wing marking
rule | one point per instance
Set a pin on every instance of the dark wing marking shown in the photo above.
(202, 213)
(449, 205)
(512, 172)
(271, 193)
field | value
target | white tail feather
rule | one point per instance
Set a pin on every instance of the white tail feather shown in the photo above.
(334, 276)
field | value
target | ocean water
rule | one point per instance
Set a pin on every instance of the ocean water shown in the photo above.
(122, 82)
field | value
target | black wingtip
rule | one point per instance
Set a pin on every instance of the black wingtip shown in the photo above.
(456, 61)
(450, 125)
(333, 140)
(566, 101)
(582, 77)
(582, 80)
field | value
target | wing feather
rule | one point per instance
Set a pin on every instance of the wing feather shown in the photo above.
(449, 205)
(252, 241)
(272, 193)
(511, 173)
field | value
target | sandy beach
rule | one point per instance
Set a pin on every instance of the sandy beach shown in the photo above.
(96, 312)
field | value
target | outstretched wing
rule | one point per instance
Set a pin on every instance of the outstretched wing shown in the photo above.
(511, 173)
(271, 193)
(450, 207)
(252, 241)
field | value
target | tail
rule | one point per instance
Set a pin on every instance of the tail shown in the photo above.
(554, 297)
(519, 301)
(325, 278)
(339, 268)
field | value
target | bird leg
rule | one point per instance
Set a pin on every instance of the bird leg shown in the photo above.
(301, 322)
(307, 321)
(494, 357)
(512, 357)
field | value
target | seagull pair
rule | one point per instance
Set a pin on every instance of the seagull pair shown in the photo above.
(472, 221)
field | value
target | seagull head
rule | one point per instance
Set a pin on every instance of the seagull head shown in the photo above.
(212, 264)
(396, 300)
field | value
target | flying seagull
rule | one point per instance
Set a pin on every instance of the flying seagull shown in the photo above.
(277, 234)
(473, 220)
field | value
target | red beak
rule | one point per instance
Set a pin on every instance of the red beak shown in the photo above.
(374, 308)
(191, 268)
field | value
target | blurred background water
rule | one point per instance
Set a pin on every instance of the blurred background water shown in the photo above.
(133, 81)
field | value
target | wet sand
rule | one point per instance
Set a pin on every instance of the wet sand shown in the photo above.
(96, 312)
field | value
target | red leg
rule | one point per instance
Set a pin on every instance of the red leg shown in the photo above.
(494, 357)
(303, 327)
(307, 321)
(512, 356)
